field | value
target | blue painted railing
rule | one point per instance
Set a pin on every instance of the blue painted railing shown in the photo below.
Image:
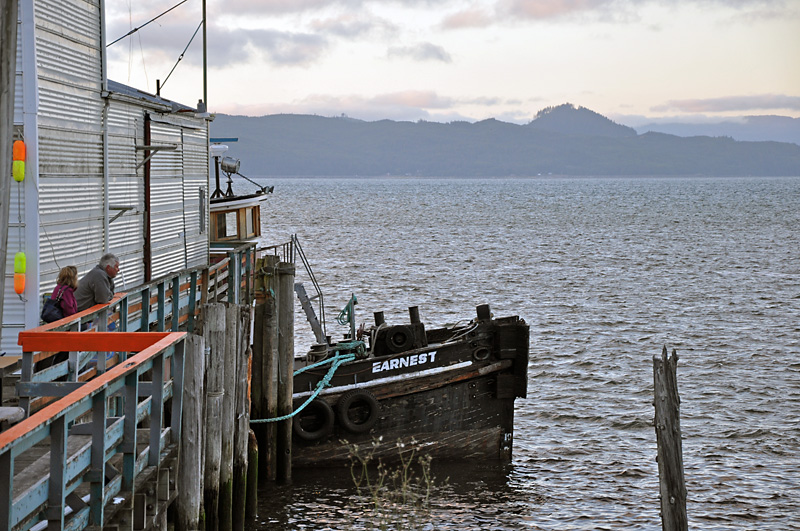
(88, 467)
(170, 303)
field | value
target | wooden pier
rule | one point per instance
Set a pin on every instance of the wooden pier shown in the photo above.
(128, 428)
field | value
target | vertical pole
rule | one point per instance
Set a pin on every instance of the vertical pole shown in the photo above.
(97, 476)
(192, 301)
(147, 251)
(214, 329)
(257, 396)
(251, 503)
(228, 417)
(128, 445)
(6, 488)
(286, 369)
(205, 59)
(190, 476)
(668, 434)
(176, 303)
(242, 418)
(156, 410)
(144, 321)
(8, 78)
(265, 378)
(58, 465)
(269, 375)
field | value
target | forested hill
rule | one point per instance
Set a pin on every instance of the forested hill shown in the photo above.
(562, 140)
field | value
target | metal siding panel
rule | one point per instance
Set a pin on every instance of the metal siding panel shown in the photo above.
(71, 187)
(166, 201)
(69, 152)
(18, 99)
(195, 156)
(126, 189)
(68, 57)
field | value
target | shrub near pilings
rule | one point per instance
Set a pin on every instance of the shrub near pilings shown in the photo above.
(395, 497)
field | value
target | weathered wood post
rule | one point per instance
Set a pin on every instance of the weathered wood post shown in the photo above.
(286, 273)
(668, 434)
(241, 437)
(190, 477)
(228, 419)
(214, 330)
(251, 504)
(265, 376)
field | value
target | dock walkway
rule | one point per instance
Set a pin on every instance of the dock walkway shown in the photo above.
(100, 443)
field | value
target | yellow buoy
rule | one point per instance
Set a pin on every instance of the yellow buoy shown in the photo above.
(18, 164)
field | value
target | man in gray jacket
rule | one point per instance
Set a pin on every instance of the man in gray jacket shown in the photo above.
(97, 286)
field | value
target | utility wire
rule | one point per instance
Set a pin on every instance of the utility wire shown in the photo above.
(182, 54)
(134, 30)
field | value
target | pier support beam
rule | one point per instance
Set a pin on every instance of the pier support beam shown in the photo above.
(214, 330)
(265, 368)
(286, 273)
(190, 476)
(670, 449)
(232, 344)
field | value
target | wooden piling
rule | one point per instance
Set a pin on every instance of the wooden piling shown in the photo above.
(667, 423)
(242, 419)
(285, 297)
(228, 420)
(251, 503)
(190, 476)
(265, 377)
(214, 330)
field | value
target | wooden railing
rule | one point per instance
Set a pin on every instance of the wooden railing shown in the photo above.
(170, 303)
(96, 457)
(90, 385)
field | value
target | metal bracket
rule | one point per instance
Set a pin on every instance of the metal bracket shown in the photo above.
(153, 150)
(122, 210)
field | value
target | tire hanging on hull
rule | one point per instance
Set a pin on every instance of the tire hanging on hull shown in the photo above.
(364, 404)
(318, 418)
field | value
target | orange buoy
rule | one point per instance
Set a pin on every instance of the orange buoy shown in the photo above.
(18, 163)
(19, 283)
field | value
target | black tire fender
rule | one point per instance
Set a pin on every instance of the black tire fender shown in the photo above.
(324, 418)
(399, 338)
(362, 398)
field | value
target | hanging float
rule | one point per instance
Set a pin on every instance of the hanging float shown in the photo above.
(18, 172)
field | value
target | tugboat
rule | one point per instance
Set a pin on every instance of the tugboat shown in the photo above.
(233, 217)
(448, 391)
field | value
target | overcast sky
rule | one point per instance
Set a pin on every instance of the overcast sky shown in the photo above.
(444, 60)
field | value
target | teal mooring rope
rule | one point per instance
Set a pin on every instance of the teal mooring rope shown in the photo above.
(325, 382)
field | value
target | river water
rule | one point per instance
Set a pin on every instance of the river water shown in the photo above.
(606, 271)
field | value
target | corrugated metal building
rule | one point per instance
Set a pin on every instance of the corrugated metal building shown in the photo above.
(109, 168)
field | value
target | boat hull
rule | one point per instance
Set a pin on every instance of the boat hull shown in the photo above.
(452, 400)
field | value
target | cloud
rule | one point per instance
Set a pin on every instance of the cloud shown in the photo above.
(424, 51)
(278, 7)
(230, 46)
(548, 9)
(471, 18)
(732, 103)
(352, 25)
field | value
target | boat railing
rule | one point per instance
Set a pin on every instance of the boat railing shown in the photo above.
(170, 303)
(90, 444)
(310, 272)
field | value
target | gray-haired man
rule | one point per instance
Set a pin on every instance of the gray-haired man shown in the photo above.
(97, 286)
